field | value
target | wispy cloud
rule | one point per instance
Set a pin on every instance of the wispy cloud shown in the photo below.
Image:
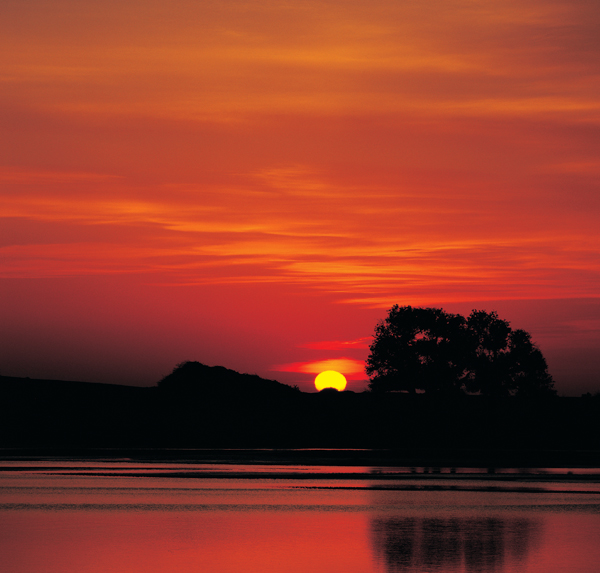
(359, 343)
(298, 226)
(349, 367)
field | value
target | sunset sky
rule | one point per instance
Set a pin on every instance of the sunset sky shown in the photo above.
(253, 184)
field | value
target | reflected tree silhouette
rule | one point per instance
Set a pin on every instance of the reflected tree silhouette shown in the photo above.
(473, 545)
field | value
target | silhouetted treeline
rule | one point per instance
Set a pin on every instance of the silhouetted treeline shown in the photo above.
(218, 413)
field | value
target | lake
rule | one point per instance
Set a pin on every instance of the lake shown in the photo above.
(126, 516)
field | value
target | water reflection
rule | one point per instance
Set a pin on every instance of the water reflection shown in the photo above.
(473, 544)
(125, 517)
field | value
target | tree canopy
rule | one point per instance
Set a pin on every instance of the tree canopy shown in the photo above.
(433, 351)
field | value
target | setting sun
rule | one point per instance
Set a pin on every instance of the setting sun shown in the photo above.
(330, 379)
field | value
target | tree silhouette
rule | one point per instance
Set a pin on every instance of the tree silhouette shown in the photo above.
(528, 371)
(419, 349)
(488, 361)
(430, 350)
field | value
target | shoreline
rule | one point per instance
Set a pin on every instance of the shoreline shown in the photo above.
(434, 460)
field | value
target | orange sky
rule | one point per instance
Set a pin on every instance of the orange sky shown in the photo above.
(253, 183)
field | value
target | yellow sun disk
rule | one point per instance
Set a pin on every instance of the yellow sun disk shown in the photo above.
(330, 379)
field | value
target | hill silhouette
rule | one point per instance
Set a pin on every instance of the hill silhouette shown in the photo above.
(218, 381)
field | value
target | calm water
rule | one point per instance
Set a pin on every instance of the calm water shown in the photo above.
(124, 517)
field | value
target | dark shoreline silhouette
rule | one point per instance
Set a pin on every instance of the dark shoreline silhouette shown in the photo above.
(42, 416)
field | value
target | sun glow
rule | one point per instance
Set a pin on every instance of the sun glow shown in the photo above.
(330, 379)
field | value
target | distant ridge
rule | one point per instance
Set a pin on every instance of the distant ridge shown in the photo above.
(39, 389)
